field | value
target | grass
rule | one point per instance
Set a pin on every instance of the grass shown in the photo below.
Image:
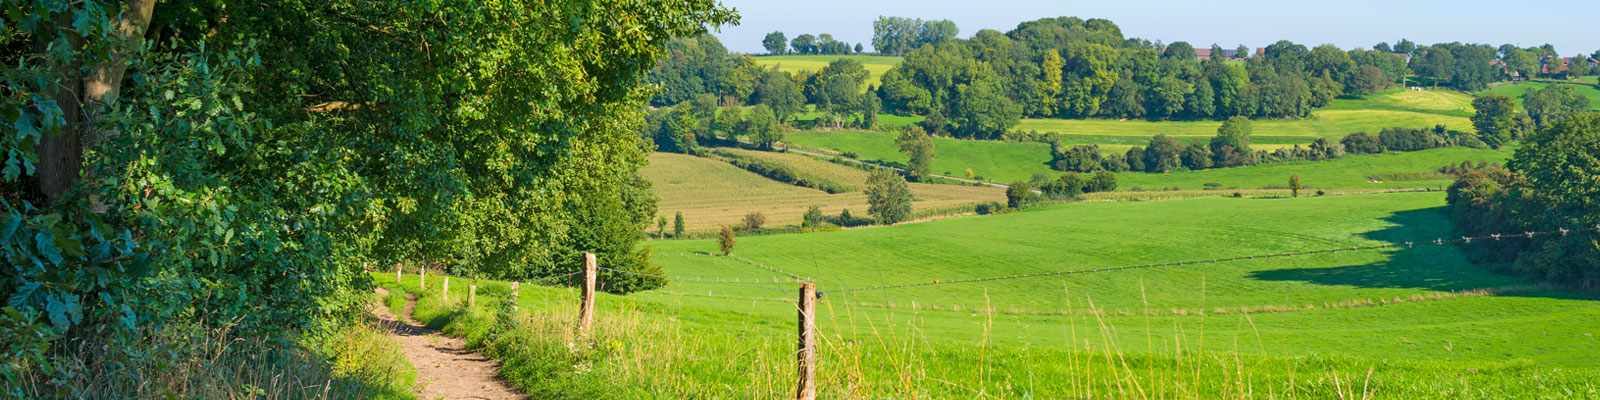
(995, 161)
(875, 65)
(1584, 86)
(1009, 161)
(710, 193)
(1406, 323)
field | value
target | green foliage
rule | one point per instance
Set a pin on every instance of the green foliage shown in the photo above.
(888, 198)
(1561, 164)
(242, 164)
(1294, 185)
(1495, 120)
(1231, 146)
(918, 148)
(1553, 103)
(779, 172)
(1020, 194)
(900, 35)
(677, 225)
(725, 240)
(1102, 181)
(813, 218)
(775, 43)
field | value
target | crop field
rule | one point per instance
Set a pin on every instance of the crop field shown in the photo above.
(1585, 87)
(876, 65)
(1006, 162)
(1416, 322)
(712, 193)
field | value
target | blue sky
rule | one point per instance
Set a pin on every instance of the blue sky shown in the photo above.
(1347, 23)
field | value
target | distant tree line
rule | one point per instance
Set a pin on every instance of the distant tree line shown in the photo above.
(899, 35)
(1549, 184)
(1231, 148)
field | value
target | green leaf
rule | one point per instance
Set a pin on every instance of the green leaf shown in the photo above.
(47, 247)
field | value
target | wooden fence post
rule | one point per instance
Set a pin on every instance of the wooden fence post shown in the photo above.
(806, 357)
(397, 273)
(514, 293)
(446, 288)
(422, 277)
(472, 296)
(590, 274)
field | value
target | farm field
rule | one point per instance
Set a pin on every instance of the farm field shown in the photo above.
(876, 65)
(1423, 320)
(1006, 162)
(1585, 87)
(711, 193)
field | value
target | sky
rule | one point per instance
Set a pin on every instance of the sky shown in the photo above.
(1254, 23)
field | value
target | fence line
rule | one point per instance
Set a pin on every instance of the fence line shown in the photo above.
(677, 279)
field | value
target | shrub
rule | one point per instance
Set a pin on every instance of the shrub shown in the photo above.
(1020, 195)
(778, 172)
(754, 220)
(812, 218)
(1102, 181)
(725, 241)
(888, 197)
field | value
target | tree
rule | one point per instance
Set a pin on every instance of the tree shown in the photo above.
(780, 94)
(273, 151)
(1163, 154)
(1294, 185)
(918, 147)
(1102, 181)
(1552, 103)
(1405, 47)
(1495, 119)
(1370, 81)
(754, 220)
(812, 219)
(1383, 47)
(1522, 62)
(981, 112)
(858, 48)
(1135, 158)
(1231, 146)
(1196, 157)
(1578, 67)
(775, 43)
(804, 44)
(762, 127)
(1437, 63)
(1020, 195)
(935, 123)
(729, 120)
(1182, 51)
(661, 228)
(1560, 167)
(1361, 143)
(725, 240)
(888, 197)
(677, 225)
(1242, 52)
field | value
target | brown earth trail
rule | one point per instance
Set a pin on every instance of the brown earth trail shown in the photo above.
(445, 368)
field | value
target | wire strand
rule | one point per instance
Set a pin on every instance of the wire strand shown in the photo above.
(694, 280)
(1440, 241)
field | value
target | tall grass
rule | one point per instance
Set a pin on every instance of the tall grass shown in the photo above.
(355, 361)
(649, 350)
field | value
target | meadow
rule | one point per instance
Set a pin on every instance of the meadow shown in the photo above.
(1585, 86)
(711, 193)
(876, 65)
(1006, 162)
(1403, 323)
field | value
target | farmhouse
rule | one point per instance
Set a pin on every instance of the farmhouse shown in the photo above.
(1227, 54)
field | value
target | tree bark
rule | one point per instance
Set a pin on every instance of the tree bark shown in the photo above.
(83, 100)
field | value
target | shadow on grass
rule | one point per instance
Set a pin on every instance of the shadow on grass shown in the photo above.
(1423, 266)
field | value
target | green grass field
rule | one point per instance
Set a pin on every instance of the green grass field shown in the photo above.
(1006, 162)
(876, 65)
(712, 193)
(1585, 87)
(1405, 323)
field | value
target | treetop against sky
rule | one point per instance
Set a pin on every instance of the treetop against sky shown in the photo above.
(1254, 23)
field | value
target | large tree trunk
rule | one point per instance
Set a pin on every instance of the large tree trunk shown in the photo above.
(83, 100)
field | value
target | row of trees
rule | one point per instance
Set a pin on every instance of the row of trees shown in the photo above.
(900, 35)
(683, 128)
(778, 43)
(1549, 184)
(1072, 68)
(698, 68)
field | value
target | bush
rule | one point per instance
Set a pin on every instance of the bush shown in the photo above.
(725, 241)
(778, 172)
(812, 218)
(1020, 195)
(888, 197)
(1103, 181)
(754, 220)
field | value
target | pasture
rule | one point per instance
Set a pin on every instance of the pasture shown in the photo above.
(710, 193)
(1584, 86)
(876, 65)
(1006, 162)
(1403, 323)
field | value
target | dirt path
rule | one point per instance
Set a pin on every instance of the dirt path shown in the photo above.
(445, 368)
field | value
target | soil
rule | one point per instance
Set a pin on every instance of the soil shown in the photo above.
(445, 368)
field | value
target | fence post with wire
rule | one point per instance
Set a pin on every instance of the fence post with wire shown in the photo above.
(586, 307)
(806, 355)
